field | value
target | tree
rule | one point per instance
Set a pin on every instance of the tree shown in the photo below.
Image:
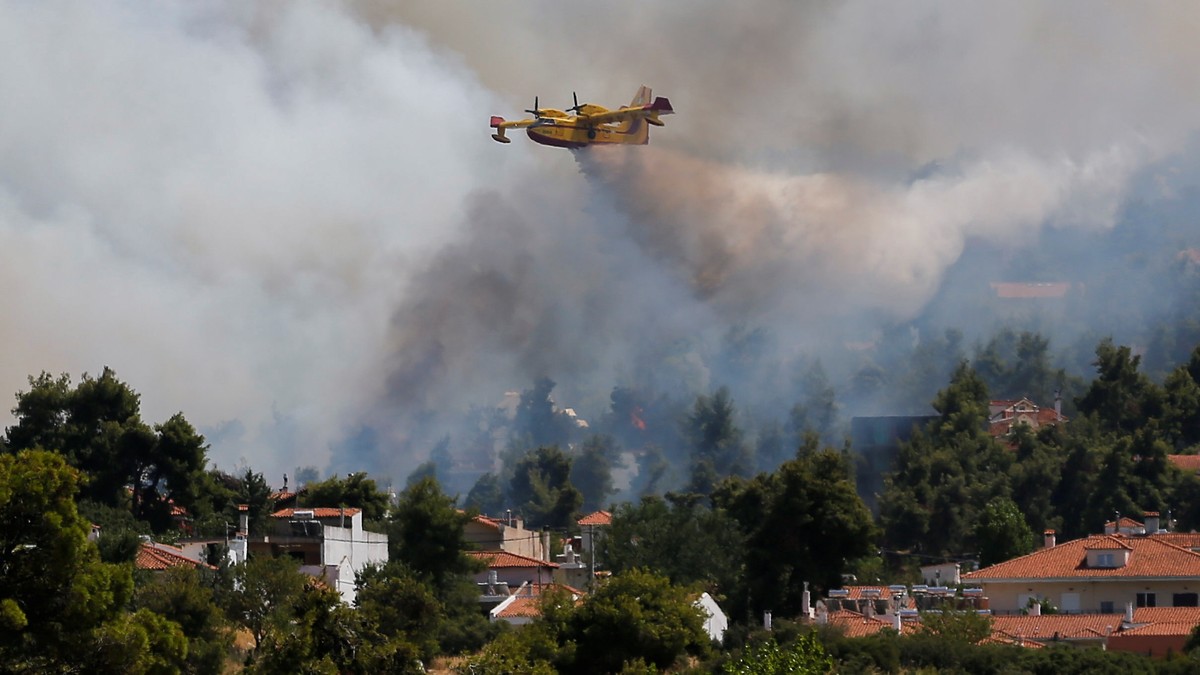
(487, 495)
(538, 419)
(97, 426)
(181, 595)
(946, 475)
(397, 606)
(56, 596)
(635, 615)
(805, 656)
(541, 488)
(356, 490)
(818, 410)
(1122, 398)
(591, 472)
(1002, 532)
(426, 534)
(264, 593)
(803, 523)
(678, 538)
(715, 441)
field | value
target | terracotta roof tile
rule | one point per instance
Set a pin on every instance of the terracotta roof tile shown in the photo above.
(1148, 557)
(318, 512)
(1186, 462)
(156, 557)
(854, 624)
(507, 559)
(1065, 626)
(860, 592)
(1124, 523)
(1167, 614)
(1188, 540)
(596, 518)
(522, 607)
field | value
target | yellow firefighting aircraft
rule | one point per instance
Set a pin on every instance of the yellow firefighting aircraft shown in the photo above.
(582, 125)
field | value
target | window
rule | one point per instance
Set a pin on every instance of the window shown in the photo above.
(1104, 560)
(1106, 607)
(1146, 600)
(1185, 600)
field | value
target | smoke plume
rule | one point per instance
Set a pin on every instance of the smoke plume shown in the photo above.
(287, 219)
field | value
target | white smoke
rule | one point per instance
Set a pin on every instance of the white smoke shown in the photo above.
(287, 219)
(221, 201)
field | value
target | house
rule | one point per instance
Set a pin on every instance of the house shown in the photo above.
(1005, 415)
(524, 604)
(592, 527)
(1186, 463)
(512, 569)
(1156, 631)
(715, 620)
(507, 534)
(1098, 574)
(329, 543)
(1079, 630)
(155, 557)
(942, 574)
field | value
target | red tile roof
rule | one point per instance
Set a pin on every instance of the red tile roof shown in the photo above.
(1188, 540)
(1124, 523)
(597, 518)
(1065, 626)
(854, 624)
(1186, 462)
(860, 592)
(507, 559)
(318, 512)
(1148, 557)
(1167, 615)
(522, 607)
(157, 557)
(489, 522)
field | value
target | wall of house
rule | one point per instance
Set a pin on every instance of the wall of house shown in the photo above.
(1009, 597)
(515, 576)
(512, 538)
(351, 549)
(1158, 646)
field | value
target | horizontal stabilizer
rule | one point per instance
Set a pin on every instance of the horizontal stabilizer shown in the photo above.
(662, 106)
(497, 121)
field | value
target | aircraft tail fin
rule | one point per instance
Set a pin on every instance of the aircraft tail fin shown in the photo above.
(642, 97)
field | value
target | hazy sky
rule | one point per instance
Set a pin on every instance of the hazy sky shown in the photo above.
(288, 220)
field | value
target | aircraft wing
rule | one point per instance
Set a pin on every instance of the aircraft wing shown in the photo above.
(661, 106)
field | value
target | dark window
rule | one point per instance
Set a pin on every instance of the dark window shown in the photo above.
(1146, 600)
(1185, 600)
(1106, 606)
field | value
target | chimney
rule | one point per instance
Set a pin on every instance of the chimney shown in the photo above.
(805, 603)
(767, 619)
(1129, 612)
(1151, 518)
(244, 519)
(342, 515)
(545, 545)
(897, 622)
(1058, 405)
(1049, 539)
(285, 482)
(1036, 608)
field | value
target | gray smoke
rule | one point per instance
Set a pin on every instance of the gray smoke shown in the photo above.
(287, 219)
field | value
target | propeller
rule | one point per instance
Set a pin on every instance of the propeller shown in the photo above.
(574, 108)
(536, 112)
